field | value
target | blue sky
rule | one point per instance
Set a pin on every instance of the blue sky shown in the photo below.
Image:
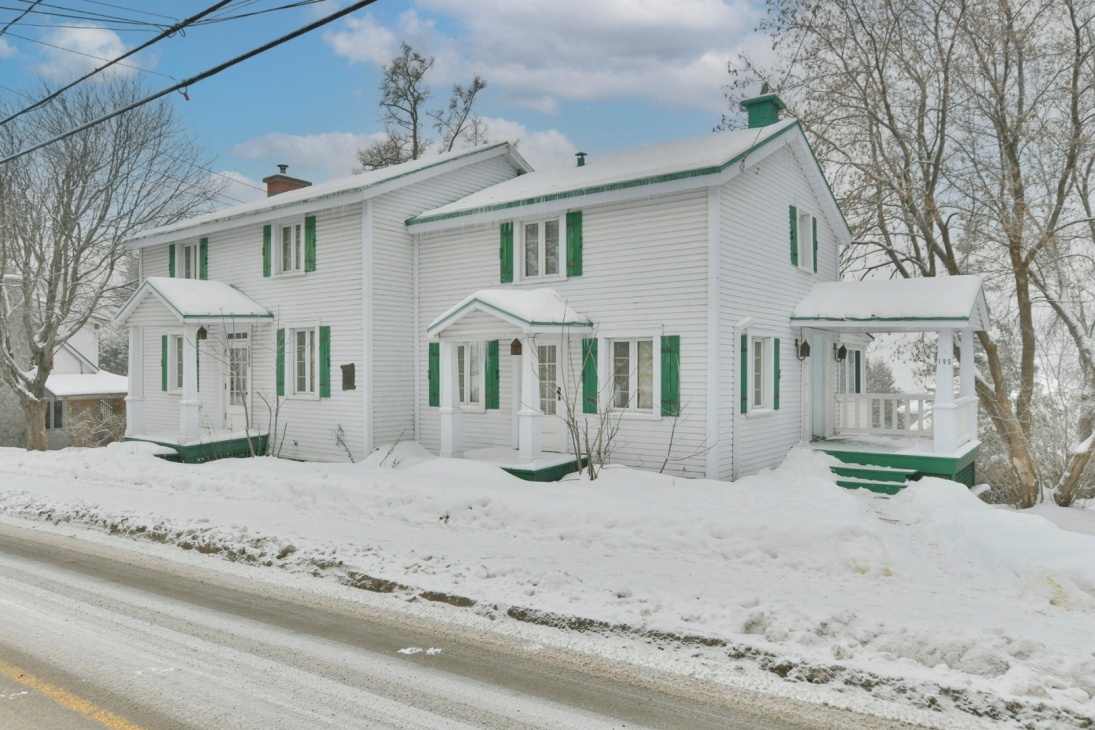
(599, 75)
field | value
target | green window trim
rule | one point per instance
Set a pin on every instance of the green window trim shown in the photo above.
(814, 221)
(505, 252)
(203, 259)
(324, 362)
(163, 363)
(171, 260)
(671, 375)
(794, 235)
(493, 375)
(574, 243)
(745, 373)
(776, 370)
(434, 370)
(267, 254)
(281, 362)
(589, 375)
(310, 243)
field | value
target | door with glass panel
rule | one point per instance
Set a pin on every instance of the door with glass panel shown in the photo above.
(552, 392)
(237, 383)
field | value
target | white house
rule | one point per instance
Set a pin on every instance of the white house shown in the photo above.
(682, 296)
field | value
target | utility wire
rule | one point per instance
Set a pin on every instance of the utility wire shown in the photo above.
(169, 32)
(19, 17)
(195, 79)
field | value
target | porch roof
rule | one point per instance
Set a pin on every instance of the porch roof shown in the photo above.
(536, 310)
(195, 300)
(895, 305)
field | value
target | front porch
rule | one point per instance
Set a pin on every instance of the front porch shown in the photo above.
(213, 444)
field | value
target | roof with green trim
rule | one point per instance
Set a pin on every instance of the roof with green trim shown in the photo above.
(527, 310)
(194, 300)
(708, 154)
(895, 305)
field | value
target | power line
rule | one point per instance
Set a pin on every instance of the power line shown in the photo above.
(169, 32)
(182, 85)
(19, 17)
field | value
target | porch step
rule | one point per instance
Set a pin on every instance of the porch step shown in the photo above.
(879, 479)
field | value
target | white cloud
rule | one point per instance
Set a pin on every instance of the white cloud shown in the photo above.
(543, 149)
(238, 188)
(314, 157)
(6, 49)
(87, 46)
(672, 53)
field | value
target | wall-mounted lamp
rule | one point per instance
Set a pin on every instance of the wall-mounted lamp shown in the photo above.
(202, 333)
(802, 349)
(840, 353)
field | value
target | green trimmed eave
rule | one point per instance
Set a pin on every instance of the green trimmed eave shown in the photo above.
(546, 474)
(626, 184)
(479, 305)
(881, 324)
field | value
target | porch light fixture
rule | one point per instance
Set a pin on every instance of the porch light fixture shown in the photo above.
(802, 349)
(840, 353)
(202, 333)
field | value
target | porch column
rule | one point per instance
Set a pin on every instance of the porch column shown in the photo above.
(134, 400)
(450, 407)
(529, 417)
(189, 405)
(966, 382)
(945, 415)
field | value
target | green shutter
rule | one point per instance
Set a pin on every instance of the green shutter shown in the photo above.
(589, 375)
(794, 235)
(281, 360)
(435, 374)
(671, 375)
(324, 362)
(493, 375)
(745, 373)
(267, 254)
(203, 258)
(775, 374)
(310, 243)
(505, 252)
(163, 363)
(574, 243)
(815, 243)
(171, 261)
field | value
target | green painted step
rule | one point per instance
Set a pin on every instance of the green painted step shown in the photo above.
(875, 473)
(877, 487)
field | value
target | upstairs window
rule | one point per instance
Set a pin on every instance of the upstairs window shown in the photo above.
(291, 247)
(803, 239)
(189, 261)
(540, 251)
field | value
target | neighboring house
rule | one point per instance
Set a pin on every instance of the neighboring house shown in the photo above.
(78, 391)
(684, 295)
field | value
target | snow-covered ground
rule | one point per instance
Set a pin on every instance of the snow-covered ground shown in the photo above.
(928, 606)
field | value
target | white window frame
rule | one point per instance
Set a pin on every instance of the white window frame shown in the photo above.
(296, 226)
(608, 346)
(766, 341)
(176, 359)
(188, 252)
(311, 366)
(806, 240)
(541, 248)
(846, 371)
(465, 379)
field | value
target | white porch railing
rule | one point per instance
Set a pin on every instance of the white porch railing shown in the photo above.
(888, 414)
(966, 417)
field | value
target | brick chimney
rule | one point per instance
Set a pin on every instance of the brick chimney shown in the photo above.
(282, 183)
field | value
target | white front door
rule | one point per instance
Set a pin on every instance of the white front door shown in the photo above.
(553, 432)
(237, 384)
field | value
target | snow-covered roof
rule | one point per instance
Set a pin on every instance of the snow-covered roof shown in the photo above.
(196, 300)
(324, 194)
(895, 305)
(528, 310)
(73, 385)
(694, 157)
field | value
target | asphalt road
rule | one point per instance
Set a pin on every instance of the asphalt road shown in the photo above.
(97, 636)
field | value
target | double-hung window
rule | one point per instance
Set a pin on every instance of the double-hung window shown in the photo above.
(175, 370)
(188, 261)
(849, 372)
(633, 374)
(290, 247)
(469, 373)
(760, 373)
(304, 361)
(540, 252)
(55, 415)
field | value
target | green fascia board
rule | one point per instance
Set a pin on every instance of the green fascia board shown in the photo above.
(880, 319)
(533, 323)
(184, 317)
(623, 185)
(944, 466)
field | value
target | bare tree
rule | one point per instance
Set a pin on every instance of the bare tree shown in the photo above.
(403, 97)
(65, 212)
(959, 137)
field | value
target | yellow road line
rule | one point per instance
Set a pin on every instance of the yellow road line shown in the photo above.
(66, 699)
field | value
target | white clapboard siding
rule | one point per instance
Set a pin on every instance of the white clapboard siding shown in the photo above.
(644, 267)
(393, 291)
(758, 280)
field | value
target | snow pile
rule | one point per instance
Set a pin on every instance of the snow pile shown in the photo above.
(930, 597)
